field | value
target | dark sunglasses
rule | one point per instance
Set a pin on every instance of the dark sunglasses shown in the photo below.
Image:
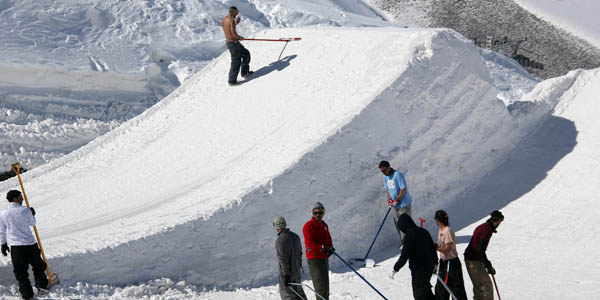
(317, 213)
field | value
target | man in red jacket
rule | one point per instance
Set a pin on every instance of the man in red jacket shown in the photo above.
(478, 265)
(318, 249)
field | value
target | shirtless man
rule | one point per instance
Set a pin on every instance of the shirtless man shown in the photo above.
(240, 56)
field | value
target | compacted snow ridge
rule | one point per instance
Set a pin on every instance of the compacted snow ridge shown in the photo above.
(153, 179)
(73, 70)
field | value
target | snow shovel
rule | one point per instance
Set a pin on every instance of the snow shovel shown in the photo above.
(369, 263)
(52, 278)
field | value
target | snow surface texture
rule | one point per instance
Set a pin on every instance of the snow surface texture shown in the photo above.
(545, 184)
(546, 187)
(73, 70)
(168, 194)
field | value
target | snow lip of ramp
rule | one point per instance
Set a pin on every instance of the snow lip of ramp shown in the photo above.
(173, 164)
(236, 156)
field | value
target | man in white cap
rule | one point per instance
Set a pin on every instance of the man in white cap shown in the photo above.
(318, 249)
(289, 258)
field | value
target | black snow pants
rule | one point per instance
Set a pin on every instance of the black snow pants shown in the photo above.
(240, 57)
(421, 285)
(455, 280)
(22, 257)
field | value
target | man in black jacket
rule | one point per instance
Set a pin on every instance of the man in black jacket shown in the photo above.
(419, 250)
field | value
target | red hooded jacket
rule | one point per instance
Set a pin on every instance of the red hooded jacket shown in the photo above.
(315, 236)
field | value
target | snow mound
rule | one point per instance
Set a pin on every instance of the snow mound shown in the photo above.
(93, 64)
(188, 189)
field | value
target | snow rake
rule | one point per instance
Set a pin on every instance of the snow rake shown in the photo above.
(52, 277)
(286, 40)
(274, 40)
(361, 277)
(309, 287)
(369, 263)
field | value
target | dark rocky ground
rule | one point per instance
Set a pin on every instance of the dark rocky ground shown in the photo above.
(558, 50)
(10, 174)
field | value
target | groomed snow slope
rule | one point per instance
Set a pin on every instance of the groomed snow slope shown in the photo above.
(546, 188)
(73, 70)
(188, 189)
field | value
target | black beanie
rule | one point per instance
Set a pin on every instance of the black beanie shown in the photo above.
(12, 194)
(497, 215)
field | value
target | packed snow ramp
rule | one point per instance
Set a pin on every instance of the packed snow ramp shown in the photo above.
(188, 189)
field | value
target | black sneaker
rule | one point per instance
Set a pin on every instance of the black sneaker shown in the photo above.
(249, 73)
(43, 292)
(235, 83)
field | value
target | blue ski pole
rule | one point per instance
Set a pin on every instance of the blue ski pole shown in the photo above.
(361, 277)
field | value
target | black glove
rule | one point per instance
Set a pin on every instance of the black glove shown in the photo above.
(286, 280)
(32, 211)
(397, 267)
(328, 250)
(5, 249)
(489, 268)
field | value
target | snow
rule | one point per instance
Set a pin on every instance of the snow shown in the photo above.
(102, 62)
(579, 17)
(177, 202)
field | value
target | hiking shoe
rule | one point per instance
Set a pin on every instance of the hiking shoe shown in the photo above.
(249, 73)
(235, 83)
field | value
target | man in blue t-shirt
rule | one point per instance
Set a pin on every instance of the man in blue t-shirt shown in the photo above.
(397, 193)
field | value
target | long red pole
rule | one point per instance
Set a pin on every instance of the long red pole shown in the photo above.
(274, 40)
(496, 285)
